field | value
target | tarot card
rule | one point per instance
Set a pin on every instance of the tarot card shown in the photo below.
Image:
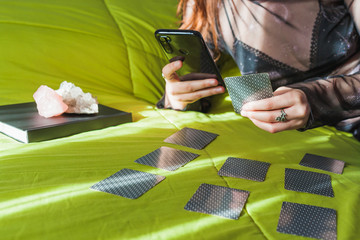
(192, 138)
(323, 163)
(310, 182)
(167, 158)
(217, 200)
(307, 221)
(128, 183)
(244, 168)
(247, 88)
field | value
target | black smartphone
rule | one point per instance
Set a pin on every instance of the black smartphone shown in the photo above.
(188, 46)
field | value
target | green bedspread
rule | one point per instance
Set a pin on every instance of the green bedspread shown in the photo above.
(108, 49)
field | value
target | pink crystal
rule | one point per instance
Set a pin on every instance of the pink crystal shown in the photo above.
(48, 102)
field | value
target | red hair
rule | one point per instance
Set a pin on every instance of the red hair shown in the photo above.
(202, 16)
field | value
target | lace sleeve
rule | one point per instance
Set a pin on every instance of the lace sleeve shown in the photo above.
(334, 101)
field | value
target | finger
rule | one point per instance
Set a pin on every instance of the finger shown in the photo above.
(191, 86)
(276, 102)
(194, 96)
(197, 76)
(271, 116)
(282, 90)
(277, 127)
(169, 71)
(283, 97)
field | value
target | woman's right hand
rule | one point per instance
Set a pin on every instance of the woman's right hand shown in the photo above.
(181, 93)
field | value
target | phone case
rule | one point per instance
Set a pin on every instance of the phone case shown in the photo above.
(188, 46)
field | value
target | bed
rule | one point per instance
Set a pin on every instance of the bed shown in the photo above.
(108, 48)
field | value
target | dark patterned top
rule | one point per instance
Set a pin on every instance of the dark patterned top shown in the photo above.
(311, 45)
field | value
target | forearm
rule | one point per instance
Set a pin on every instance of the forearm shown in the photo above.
(334, 99)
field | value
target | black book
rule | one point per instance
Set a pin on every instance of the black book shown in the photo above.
(23, 122)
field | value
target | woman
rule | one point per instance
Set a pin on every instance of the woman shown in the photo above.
(310, 48)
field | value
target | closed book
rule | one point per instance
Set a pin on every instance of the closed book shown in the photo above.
(23, 122)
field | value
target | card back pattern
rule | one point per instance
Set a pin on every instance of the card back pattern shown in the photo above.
(308, 221)
(167, 158)
(192, 138)
(247, 88)
(244, 168)
(217, 200)
(323, 163)
(310, 182)
(128, 183)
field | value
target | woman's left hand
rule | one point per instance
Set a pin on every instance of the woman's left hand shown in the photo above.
(266, 113)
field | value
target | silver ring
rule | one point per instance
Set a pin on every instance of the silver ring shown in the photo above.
(282, 117)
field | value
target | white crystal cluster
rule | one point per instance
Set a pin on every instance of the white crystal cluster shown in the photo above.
(77, 101)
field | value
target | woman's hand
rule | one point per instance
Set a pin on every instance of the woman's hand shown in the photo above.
(266, 113)
(181, 93)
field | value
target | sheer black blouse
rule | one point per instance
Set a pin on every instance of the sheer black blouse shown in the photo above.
(312, 45)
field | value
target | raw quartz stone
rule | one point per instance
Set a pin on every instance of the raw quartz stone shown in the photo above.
(68, 98)
(77, 101)
(48, 102)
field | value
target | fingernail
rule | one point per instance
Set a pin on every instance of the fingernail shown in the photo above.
(243, 113)
(214, 82)
(178, 64)
(220, 89)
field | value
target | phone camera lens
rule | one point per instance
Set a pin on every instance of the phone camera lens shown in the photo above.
(165, 39)
(165, 42)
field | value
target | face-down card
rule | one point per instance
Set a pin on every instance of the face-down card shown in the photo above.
(128, 183)
(192, 138)
(244, 168)
(167, 158)
(217, 200)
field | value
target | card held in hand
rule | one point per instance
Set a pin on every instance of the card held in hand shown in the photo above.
(247, 88)
(307, 221)
(217, 200)
(128, 183)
